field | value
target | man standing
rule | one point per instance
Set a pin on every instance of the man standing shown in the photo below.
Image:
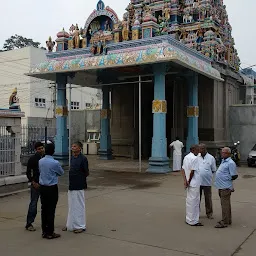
(191, 178)
(79, 170)
(225, 175)
(177, 146)
(33, 177)
(207, 166)
(49, 170)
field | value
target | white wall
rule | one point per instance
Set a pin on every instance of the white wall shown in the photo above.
(14, 64)
(84, 95)
(40, 88)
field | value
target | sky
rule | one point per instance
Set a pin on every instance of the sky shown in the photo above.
(40, 19)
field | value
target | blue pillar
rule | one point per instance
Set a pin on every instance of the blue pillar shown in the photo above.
(105, 150)
(61, 139)
(192, 112)
(159, 162)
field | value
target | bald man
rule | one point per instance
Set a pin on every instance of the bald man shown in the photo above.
(225, 175)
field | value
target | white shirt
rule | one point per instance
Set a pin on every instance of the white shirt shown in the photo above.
(207, 166)
(177, 147)
(190, 163)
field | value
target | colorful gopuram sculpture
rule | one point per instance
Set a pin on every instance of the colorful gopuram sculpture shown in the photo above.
(200, 24)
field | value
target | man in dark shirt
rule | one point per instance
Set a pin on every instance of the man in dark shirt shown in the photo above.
(33, 177)
(79, 170)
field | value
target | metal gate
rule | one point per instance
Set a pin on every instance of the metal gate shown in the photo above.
(7, 152)
(31, 134)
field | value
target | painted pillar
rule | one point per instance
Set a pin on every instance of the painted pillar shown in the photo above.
(192, 111)
(105, 150)
(61, 139)
(159, 162)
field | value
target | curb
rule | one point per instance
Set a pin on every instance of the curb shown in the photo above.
(13, 193)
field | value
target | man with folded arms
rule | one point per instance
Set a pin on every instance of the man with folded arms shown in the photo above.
(191, 176)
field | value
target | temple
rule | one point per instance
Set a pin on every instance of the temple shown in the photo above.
(183, 55)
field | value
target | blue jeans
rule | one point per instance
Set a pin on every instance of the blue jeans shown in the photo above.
(32, 210)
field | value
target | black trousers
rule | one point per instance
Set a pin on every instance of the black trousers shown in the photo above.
(49, 199)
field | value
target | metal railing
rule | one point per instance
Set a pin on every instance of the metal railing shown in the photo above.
(7, 152)
(31, 134)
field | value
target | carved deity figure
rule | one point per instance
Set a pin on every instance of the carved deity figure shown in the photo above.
(77, 37)
(125, 30)
(187, 18)
(14, 100)
(72, 29)
(131, 11)
(50, 44)
(160, 19)
(147, 11)
(99, 47)
(107, 25)
(166, 12)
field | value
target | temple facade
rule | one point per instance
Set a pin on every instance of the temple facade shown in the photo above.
(168, 68)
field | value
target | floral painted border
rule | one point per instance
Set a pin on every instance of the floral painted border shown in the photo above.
(153, 54)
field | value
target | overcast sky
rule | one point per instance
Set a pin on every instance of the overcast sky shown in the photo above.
(40, 19)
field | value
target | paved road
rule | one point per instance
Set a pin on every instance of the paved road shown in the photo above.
(135, 214)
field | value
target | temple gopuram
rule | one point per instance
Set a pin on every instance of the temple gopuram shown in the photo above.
(183, 55)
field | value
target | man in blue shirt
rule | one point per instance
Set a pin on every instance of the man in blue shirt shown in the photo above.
(225, 175)
(49, 170)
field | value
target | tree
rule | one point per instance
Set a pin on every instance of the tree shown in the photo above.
(16, 42)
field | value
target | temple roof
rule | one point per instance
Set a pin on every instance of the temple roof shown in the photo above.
(189, 33)
(133, 53)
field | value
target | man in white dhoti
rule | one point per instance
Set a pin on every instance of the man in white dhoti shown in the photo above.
(177, 146)
(191, 176)
(79, 170)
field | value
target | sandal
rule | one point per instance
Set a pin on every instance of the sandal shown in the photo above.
(78, 231)
(64, 229)
(221, 224)
(30, 228)
(53, 236)
(199, 224)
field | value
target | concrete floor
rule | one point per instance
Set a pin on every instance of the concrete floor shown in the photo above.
(135, 214)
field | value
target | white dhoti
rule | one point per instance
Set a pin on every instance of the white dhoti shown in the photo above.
(176, 162)
(76, 210)
(192, 205)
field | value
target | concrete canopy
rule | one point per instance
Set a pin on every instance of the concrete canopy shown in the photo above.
(162, 49)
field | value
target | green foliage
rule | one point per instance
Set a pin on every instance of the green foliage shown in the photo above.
(17, 42)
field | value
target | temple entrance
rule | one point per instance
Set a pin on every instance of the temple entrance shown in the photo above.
(125, 116)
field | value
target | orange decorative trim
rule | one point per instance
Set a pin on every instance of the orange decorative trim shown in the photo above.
(61, 111)
(192, 111)
(159, 106)
(105, 113)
